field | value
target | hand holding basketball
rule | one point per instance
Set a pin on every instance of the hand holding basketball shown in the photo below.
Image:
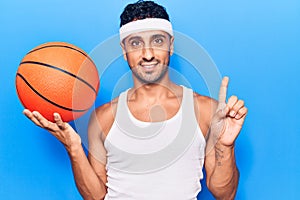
(61, 130)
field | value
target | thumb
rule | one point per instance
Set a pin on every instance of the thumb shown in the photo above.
(222, 112)
(59, 122)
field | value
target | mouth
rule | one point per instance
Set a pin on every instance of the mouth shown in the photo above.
(149, 66)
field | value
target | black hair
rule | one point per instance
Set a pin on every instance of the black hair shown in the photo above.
(142, 10)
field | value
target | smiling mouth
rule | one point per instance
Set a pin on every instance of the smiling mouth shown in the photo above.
(149, 65)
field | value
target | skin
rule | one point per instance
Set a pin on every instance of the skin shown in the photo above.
(147, 54)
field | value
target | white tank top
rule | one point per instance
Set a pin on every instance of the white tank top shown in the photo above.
(155, 160)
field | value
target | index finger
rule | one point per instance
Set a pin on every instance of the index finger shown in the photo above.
(223, 90)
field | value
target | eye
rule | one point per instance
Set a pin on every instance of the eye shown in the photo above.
(135, 43)
(158, 41)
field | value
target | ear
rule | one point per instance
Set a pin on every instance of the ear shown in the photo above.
(123, 50)
(171, 45)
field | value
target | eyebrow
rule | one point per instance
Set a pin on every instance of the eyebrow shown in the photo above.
(152, 37)
(135, 38)
(158, 36)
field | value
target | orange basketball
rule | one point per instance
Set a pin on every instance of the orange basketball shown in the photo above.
(57, 77)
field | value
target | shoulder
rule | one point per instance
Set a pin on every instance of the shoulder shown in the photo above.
(107, 109)
(104, 115)
(205, 108)
(205, 103)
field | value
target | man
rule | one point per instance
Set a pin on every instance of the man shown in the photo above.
(155, 114)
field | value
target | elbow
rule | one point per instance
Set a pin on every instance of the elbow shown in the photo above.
(221, 194)
(99, 196)
(225, 190)
(92, 193)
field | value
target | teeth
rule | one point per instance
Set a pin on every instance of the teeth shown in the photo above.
(149, 66)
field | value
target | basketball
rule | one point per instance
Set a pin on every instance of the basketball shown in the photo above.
(57, 77)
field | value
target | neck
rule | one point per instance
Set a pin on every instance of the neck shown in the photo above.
(153, 92)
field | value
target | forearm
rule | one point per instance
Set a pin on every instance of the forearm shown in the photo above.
(87, 182)
(224, 179)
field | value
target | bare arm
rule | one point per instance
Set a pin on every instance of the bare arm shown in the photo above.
(220, 164)
(87, 181)
(222, 173)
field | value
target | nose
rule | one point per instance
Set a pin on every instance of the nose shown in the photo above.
(148, 54)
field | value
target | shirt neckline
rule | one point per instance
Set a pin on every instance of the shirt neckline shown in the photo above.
(179, 111)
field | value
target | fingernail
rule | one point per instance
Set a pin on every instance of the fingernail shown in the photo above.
(232, 113)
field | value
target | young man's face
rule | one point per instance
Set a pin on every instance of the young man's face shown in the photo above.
(147, 54)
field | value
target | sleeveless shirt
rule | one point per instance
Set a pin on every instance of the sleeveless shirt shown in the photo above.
(155, 160)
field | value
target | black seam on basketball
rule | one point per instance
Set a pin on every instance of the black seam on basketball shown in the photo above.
(64, 46)
(57, 45)
(46, 99)
(59, 69)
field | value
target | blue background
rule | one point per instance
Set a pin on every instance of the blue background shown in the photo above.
(256, 43)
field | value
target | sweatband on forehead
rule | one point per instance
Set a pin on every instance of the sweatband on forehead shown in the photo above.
(145, 25)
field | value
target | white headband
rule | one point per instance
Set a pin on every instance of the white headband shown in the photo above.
(145, 25)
